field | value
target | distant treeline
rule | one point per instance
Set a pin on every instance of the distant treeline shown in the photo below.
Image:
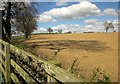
(42, 33)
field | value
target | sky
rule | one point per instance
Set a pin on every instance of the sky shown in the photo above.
(81, 16)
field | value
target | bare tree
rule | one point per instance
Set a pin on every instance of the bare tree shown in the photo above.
(108, 25)
(60, 31)
(49, 30)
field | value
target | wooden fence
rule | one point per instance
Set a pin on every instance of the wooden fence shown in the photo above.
(20, 66)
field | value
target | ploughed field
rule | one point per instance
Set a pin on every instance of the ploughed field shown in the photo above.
(91, 50)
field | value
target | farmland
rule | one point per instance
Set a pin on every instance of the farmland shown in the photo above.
(92, 50)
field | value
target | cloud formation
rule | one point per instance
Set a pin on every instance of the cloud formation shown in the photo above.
(80, 10)
(40, 30)
(67, 27)
(89, 26)
(91, 21)
(45, 18)
(63, 27)
(110, 11)
(98, 26)
(75, 11)
(116, 24)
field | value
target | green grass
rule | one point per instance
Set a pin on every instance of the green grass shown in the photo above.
(18, 42)
(16, 39)
(100, 76)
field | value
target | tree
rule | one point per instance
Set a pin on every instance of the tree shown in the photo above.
(74, 32)
(18, 11)
(49, 30)
(6, 26)
(25, 21)
(60, 31)
(69, 32)
(108, 25)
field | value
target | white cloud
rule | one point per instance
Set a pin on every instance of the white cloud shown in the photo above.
(45, 18)
(91, 21)
(63, 27)
(116, 24)
(67, 27)
(98, 26)
(75, 11)
(89, 26)
(94, 25)
(40, 30)
(110, 11)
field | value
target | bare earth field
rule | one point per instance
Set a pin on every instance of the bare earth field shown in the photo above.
(92, 50)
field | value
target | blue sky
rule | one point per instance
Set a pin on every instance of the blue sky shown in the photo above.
(76, 16)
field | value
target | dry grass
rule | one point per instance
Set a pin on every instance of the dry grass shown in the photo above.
(92, 50)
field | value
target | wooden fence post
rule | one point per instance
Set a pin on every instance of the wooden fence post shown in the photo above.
(1, 80)
(7, 63)
(50, 79)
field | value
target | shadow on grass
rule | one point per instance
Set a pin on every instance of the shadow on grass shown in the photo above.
(38, 38)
